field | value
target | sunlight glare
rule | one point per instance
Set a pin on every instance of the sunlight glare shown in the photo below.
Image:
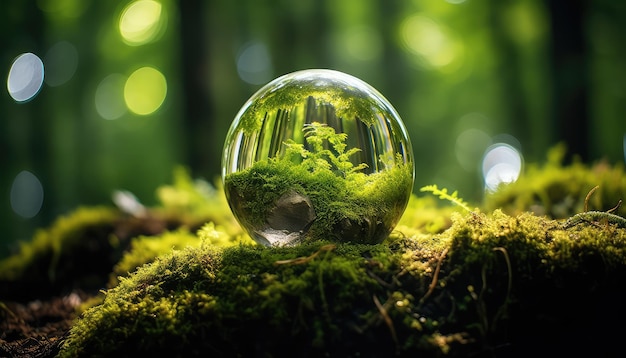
(26, 195)
(109, 98)
(254, 63)
(469, 148)
(145, 91)
(141, 22)
(502, 163)
(61, 63)
(358, 43)
(430, 41)
(25, 77)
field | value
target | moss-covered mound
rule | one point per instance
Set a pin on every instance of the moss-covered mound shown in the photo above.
(490, 285)
(80, 249)
(560, 191)
(537, 269)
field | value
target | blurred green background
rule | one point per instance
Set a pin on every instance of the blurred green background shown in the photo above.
(134, 88)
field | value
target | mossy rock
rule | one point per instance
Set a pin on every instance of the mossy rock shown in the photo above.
(490, 284)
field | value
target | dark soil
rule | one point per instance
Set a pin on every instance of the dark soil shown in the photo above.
(36, 313)
(37, 328)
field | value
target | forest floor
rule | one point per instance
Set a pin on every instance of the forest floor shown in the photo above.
(37, 328)
(572, 310)
(36, 316)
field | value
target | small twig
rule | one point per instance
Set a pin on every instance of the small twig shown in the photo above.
(6, 308)
(305, 259)
(508, 266)
(380, 280)
(502, 309)
(480, 303)
(589, 196)
(595, 216)
(433, 283)
(619, 203)
(386, 318)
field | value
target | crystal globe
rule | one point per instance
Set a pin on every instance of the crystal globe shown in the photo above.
(317, 155)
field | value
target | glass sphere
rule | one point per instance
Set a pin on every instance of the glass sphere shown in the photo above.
(317, 155)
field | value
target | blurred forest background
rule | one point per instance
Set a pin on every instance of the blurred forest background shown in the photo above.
(133, 89)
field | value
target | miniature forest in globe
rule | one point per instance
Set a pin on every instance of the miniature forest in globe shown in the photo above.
(319, 193)
(317, 154)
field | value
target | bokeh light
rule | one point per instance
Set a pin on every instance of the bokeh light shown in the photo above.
(145, 91)
(25, 77)
(254, 63)
(26, 195)
(502, 163)
(431, 42)
(128, 202)
(142, 22)
(64, 9)
(358, 43)
(469, 148)
(109, 98)
(61, 63)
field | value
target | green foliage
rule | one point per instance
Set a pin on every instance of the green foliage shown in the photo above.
(446, 282)
(595, 216)
(335, 298)
(348, 103)
(423, 215)
(145, 249)
(209, 298)
(443, 194)
(196, 201)
(338, 190)
(83, 244)
(41, 256)
(215, 235)
(559, 190)
(318, 135)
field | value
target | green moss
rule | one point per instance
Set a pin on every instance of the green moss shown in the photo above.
(423, 216)
(65, 232)
(453, 292)
(559, 191)
(84, 247)
(145, 249)
(210, 299)
(447, 282)
(195, 201)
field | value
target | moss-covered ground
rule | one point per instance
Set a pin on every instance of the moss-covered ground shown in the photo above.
(506, 279)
